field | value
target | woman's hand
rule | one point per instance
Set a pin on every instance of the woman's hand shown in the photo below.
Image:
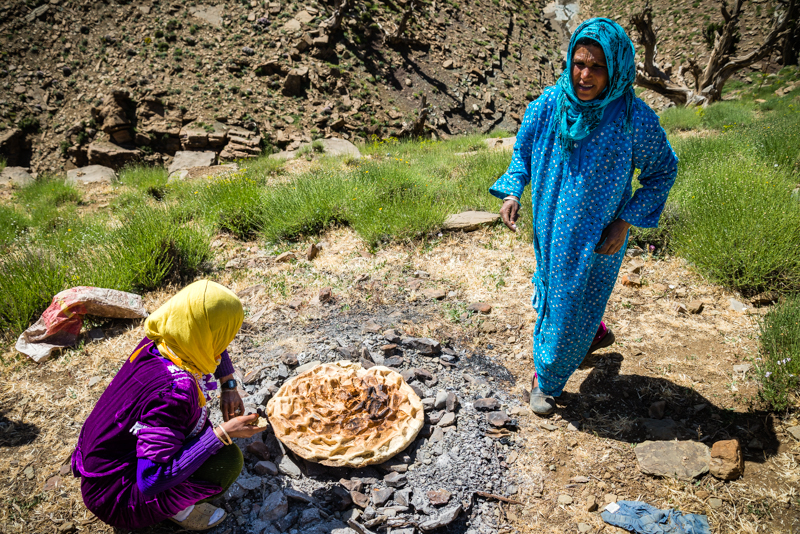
(510, 213)
(230, 404)
(614, 235)
(242, 426)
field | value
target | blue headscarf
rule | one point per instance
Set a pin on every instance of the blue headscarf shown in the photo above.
(575, 119)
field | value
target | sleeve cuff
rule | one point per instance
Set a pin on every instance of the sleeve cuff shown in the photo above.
(225, 366)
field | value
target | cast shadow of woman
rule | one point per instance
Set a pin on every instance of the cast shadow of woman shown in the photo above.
(628, 408)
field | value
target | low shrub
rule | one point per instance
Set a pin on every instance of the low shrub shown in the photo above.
(778, 366)
(726, 114)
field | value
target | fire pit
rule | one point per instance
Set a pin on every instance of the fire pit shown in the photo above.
(339, 414)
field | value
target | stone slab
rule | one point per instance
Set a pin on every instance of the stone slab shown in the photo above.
(91, 174)
(684, 460)
(18, 176)
(187, 159)
(469, 221)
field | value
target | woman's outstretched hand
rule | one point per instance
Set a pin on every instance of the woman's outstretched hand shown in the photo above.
(510, 213)
(242, 426)
(612, 238)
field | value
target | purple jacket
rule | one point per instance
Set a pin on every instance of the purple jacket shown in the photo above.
(142, 442)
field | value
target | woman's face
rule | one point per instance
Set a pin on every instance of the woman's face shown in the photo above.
(589, 72)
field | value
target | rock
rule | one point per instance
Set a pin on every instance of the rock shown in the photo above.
(249, 483)
(794, 431)
(564, 499)
(740, 371)
(498, 419)
(488, 327)
(656, 410)
(715, 503)
(665, 429)
(439, 497)
(287, 467)
(591, 503)
(265, 468)
(452, 402)
(440, 400)
(285, 257)
(339, 147)
(727, 462)
(765, 299)
(679, 308)
(91, 174)
(210, 14)
(110, 155)
(289, 359)
(448, 419)
(486, 405)
(359, 499)
(389, 349)
(391, 336)
(295, 82)
(275, 506)
(580, 479)
(548, 427)
(381, 495)
(737, 306)
(434, 294)
(423, 345)
(187, 159)
(353, 484)
(480, 307)
(339, 498)
(631, 280)
(447, 516)
(684, 460)
(325, 294)
(307, 367)
(609, 498)
(312, 252)
(469, 221)
(394, 361)
(584, 527)
(259, 450)
(292, 26)
(497, 143)
(695, 307)
(395, 480)
(448, 64)
(17, 176)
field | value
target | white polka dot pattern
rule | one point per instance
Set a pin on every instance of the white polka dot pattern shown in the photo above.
(572, 203)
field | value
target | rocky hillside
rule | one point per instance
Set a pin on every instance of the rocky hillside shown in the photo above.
(113, 82)
(110, 82)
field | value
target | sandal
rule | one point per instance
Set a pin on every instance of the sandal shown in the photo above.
(540, 403)
(199, 518)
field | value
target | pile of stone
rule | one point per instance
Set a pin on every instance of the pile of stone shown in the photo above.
(451, 476)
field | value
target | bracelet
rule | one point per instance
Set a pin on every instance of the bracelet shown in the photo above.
(229, 442)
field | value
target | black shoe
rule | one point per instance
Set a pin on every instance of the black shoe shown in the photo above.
(541, 404)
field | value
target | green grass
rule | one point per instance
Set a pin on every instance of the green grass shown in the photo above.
(146, 249)
(680, 119)
(779, 364)
(3, 163)
(147, 179)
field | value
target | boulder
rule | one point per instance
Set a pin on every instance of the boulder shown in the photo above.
(469, 221)
(187, 159)
(295, 82)
(18, 176)
(110, 155)
(210, 14)
(113, 116)
(241, 144)
(727, 462)
(504, 143)
(91, 174)
(684, 460)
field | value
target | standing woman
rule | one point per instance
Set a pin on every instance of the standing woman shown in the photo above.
(578, 147)
(148, 451)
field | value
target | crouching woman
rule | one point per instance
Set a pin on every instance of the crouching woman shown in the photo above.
(148, 451)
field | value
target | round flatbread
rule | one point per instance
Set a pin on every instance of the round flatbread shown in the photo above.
(340, 414)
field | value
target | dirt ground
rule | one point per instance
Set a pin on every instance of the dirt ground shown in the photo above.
(685, 360)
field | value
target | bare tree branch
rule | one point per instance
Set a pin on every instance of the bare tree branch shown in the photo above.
(333, 24)
(397, 36)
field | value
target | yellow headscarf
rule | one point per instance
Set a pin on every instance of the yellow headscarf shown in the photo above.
(193, 328)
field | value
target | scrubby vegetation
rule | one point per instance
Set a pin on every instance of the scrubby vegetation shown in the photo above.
(732, 214)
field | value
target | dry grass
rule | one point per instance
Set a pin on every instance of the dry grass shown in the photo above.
(488, 266)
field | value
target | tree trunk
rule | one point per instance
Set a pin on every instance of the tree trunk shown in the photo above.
(791, 42)
(333, 24)
(710, 80)
(397, 36)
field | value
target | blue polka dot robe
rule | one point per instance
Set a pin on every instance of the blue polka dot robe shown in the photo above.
(572, 203)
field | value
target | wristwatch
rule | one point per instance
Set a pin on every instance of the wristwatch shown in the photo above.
(228, 384)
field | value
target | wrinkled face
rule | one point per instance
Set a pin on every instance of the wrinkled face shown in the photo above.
(589, 72)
